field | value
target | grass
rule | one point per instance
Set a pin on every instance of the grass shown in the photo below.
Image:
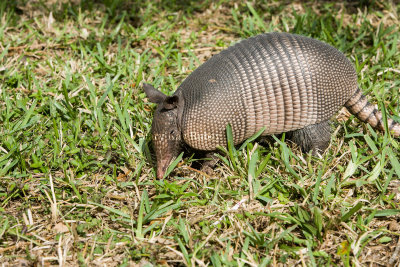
(78, 183)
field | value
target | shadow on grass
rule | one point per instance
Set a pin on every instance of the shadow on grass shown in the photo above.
(136, 12)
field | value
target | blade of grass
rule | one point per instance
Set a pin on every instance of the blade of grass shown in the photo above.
(351, 212)
(172, 166)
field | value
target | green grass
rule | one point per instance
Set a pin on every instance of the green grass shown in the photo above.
(78, 182)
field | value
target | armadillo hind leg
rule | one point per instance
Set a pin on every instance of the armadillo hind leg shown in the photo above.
(314, 137)
(359, 106)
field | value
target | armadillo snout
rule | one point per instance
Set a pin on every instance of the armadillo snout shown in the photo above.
(167, 147)
(166, 139)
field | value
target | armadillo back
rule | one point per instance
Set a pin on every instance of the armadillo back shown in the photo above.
(279, 81)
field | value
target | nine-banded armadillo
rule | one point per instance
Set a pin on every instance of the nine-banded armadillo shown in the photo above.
(280, 81)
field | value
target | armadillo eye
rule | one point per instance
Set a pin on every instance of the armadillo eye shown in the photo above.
(172, 132)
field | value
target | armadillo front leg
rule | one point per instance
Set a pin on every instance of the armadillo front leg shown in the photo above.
(208, 165)
(314, 137)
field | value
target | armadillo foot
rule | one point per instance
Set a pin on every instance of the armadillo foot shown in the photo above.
(314, 137)
(208, 165)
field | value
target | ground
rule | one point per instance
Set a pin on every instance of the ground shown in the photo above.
(77, 176)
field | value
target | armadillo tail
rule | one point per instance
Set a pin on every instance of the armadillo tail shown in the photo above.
(359, 106)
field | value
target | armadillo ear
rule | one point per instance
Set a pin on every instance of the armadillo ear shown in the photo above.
(171, 102)
(153, 94)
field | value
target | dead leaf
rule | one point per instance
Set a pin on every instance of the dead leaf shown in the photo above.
(60, 228)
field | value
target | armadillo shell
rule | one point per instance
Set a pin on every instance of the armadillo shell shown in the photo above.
(279, 81)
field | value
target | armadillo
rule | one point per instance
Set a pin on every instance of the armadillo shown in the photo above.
(283, 82)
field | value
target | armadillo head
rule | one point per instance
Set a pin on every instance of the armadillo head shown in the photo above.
(166, 131)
